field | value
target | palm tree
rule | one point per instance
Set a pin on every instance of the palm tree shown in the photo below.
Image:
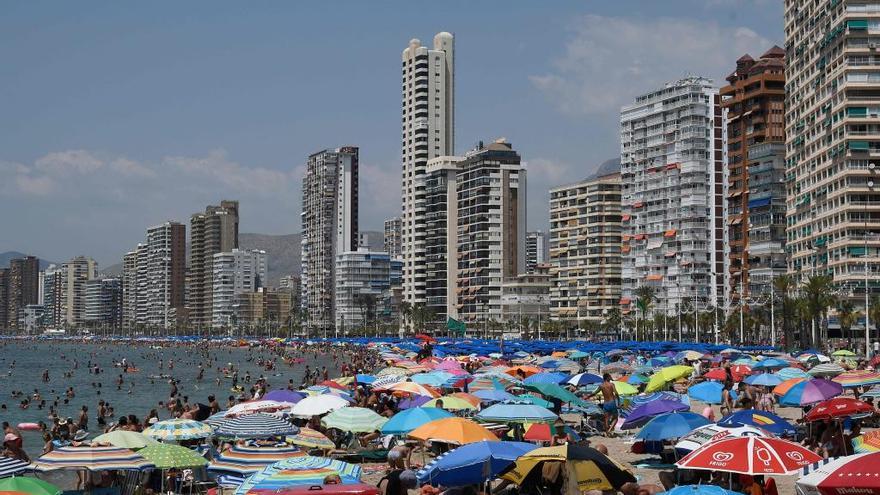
(613, 319)
(783, 287)
(644, 300)
(847, 316)
(405, 312)
(818, 296)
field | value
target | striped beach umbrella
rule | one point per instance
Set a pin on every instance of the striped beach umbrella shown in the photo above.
(791, 372)
(247, 460)
(10, 466)
(826, 369)
(354, 419)
(255, 406)
(91, 459)
(857, 378)
(259, 425)
(307, 437)
(178, 429)
(125, 439)
(298, 471)
(868, 442)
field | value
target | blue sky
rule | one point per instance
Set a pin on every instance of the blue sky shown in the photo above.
(119, 115)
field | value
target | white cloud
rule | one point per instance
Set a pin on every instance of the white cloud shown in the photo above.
(610, 60)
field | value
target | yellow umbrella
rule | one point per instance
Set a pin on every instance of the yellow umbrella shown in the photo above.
(586, 467)
(662, 377)
(624, 388)
(458, 431)
(451, 403)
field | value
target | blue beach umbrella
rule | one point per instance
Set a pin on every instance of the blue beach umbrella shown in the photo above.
(366, 379)
(708, 392)
(643, 413)
(582, 379)
(637, 379)
(791, 372)
(761, 419)
(552, 377)
(434, 378)
(764, 380)
(516, 413)
(473, 463)
(492, 395)
(671, 425)
(531, 399)
(410, 419)
(699, 490)
(771, 363)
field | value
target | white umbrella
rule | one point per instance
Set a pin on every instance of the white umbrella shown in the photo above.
(317, 405)
(255, 406)
(815, 473)
(713, 432)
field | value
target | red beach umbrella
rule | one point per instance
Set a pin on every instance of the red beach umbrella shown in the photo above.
(750, 455)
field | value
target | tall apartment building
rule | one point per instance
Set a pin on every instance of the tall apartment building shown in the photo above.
(77, 272)
(832, 135)
(537, 249)
(585, 248)
(427, 131)
(214, 231)
(363, 279)
(264, 306)
(330, 226)
(161, 276)
(103, 303)
(755, 102)
(673, 163)
(129, 289)
(4, 295)
(491, 196)
(393, 237)
(22, 288)
(53, 296)
(235, 272)
(441, 237)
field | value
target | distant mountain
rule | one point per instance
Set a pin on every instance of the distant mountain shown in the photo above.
(8, 256)
(607, 167)
(282, 250)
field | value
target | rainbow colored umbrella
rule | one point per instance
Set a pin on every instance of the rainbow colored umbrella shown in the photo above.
(857, 378)
(868, 442)
(298, 471)
(307, 437)
(172, 430)
(247, 460)
(810, 392)
(91, 459)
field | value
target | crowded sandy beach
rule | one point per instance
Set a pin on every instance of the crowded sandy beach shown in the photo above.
(434, 415)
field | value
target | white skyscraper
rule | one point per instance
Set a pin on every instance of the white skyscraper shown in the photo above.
(427, 132)
(233, 273)
(672, 165)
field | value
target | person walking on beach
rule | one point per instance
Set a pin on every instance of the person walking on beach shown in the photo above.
(609, 405)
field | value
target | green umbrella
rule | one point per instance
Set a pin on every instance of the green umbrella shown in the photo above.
(555, 391)
(170, 456)
(31, 486)
(354, 419)
(126, 439)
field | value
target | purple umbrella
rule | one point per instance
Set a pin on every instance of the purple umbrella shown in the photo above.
(414, 401)
(811, 392)
(284, 396)
(642, 414)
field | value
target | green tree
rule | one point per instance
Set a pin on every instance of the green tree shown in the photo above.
(818, 297)
(846, 315)
(644, 301)
(783, 287)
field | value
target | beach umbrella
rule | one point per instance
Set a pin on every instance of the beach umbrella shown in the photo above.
(713, 432)
(857, 378)
(852, 474)
(760, 419)
(689, 356)
(617, 368)
(302, 471)
(492, 395)
(307, 437)
(617, 352)
(490, 383)
(246, 460)
(523, 370)
(410, 419)
(555, 391)
(659, 379)
(259, 425)
(516, 413)
(255, 406)
(624, 388)
(453, 430)
(364, 379)
(810, 392)
(770, 363)
(531, 399)
(394, 371)
(586, 467)
(91, 459)
(826, 369)
(472, 464)
(643, 413)
(125, 439)
(864, 481)
(790, 372)
(671, 425)
(839, 407)
(750, 455)
(170, 456)
(708, 392)
(386, 381)
(413, 401)
(452, 403)
(578, 354)
(699, 490)
(433, 378)
(785, 386)
(874, 393)
(637, 379)
(354, 419)
(843, 353)
(553, 377)
(28, 485)
(410, 388)
(317, 406)
(173, 430)
(10, 466)
(764, 380)
(282, 395)
(867, 442)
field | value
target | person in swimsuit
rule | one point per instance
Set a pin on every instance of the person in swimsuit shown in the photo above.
(609, 405)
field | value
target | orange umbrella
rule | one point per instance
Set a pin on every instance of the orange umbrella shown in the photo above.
(559, 354)
(413, 388)
(458, 431)
(525, 369)
(473, 399)
(783, 387)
